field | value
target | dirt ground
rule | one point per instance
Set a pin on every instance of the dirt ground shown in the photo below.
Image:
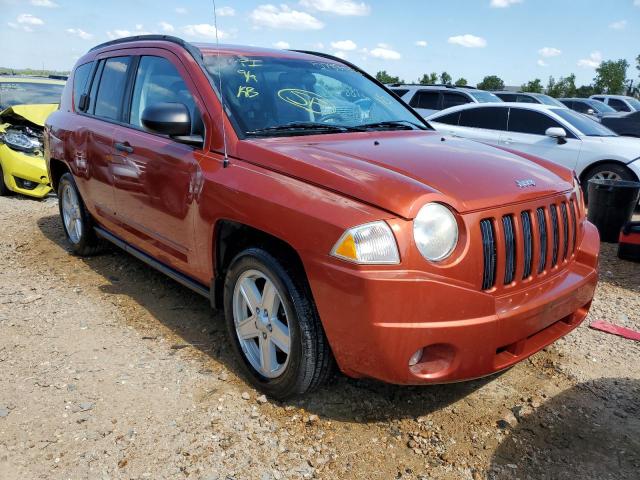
(110, 370)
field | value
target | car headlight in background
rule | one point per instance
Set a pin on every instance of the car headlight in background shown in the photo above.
(20, 141)
(435, 231)
(371, 243)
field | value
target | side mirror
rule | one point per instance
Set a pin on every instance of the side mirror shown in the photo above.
(558, 133)
(591, 111)
(172, 119)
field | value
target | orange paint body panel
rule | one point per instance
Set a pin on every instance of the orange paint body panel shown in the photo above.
(167, 198)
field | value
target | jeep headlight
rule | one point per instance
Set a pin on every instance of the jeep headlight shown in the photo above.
(19, 141)
(371, 243)
(435, 231)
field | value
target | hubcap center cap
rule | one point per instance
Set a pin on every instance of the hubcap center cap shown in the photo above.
(262, 321)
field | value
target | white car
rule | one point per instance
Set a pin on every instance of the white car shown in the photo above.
(559, 135)
(620, 103)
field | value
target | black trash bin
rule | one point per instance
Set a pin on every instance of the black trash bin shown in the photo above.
(611, 205)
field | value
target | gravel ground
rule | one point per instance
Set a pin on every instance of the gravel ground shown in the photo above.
(110, 370)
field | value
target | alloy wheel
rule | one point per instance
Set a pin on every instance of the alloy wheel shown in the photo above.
(261, 323)
(71, 213)
(606, 175)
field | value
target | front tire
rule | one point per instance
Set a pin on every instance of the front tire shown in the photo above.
(76, 220)
(606, 171)
(273, 326)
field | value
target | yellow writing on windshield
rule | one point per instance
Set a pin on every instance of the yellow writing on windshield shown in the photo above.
(248, 76)
(309, 101)
(247, 92)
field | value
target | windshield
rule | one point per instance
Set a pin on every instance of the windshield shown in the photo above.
(634, 103)
(269, 95)
(28, 93)
(583, 123)
(600, 106)
(547, 100)
(484, 97)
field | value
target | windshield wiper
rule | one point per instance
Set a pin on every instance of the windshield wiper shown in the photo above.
(304, 127)
(394, 124)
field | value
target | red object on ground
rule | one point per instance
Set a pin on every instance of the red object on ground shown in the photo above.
(616, 330)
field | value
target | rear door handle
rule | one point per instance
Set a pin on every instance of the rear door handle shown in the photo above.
(124, 147)
(508, 141)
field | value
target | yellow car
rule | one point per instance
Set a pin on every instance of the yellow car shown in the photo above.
(25, 103)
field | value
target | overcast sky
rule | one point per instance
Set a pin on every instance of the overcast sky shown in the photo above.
(516, 39)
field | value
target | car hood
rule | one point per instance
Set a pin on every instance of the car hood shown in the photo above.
(400, 171)
(36, 114)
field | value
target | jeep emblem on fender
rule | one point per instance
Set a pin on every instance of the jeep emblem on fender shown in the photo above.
(525, 183)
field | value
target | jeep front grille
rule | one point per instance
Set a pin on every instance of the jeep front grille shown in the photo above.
(546, 235)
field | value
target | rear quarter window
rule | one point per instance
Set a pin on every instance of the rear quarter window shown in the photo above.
(80, 82)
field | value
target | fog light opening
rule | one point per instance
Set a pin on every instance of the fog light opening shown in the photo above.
(416, 357)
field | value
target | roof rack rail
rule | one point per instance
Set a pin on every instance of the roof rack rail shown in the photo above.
(151, 37)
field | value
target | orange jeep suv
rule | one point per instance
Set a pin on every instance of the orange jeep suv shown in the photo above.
(327, 219)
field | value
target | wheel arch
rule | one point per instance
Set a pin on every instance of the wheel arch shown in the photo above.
(591, 166)
(57, 168)
(231, 237)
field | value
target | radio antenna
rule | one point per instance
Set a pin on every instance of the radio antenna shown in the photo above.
(225, 162)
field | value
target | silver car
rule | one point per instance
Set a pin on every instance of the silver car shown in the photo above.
(621, 103)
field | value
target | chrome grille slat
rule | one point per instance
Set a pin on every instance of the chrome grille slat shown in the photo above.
(542, 234)
(489, 251)
(510, 249)
(527, 243)
(565, 230)
(555, 234)
(574, 225)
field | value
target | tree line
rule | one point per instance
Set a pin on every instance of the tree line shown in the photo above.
(611, 78)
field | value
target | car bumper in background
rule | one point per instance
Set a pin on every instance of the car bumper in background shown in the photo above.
(25, 174)
(376, 320)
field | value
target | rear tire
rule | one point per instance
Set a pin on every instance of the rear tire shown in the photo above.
(606, 171)
(4, 189)
(76, 220)
(257, 320)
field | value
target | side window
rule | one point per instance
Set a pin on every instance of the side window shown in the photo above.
(528, 121)
(619, 105)
(452, 99)
(111, 88)
(158, 81)
(525, 99)
(508, 97)
(449, 119)
(602, 99)
(491, 118)
(80, 80)
(581, 107)
(426, 99)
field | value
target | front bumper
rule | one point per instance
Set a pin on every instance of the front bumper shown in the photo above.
(18, 166)
(376, 319)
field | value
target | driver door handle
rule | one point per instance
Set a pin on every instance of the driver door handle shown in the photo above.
(124, 147)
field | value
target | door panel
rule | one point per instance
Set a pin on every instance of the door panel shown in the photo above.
(545, 147)
(155, 181)
(157, 178)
